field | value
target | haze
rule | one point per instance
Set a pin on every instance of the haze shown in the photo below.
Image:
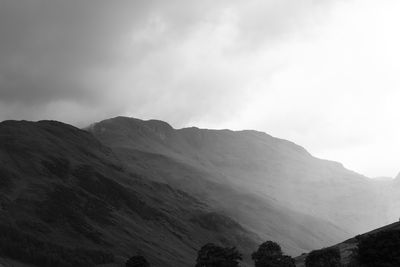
(324, 74)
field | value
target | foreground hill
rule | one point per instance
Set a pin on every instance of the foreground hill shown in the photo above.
(272, 186)
(349, 248)
(67, 200)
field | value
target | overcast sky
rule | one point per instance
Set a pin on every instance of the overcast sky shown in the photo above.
(324, 74)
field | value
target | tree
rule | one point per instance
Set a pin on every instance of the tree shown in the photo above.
(269, 254)
(137, 261)
(211, 255)
(327, 257)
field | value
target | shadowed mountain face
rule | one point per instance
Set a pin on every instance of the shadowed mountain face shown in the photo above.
(62, 189)
(272, 186)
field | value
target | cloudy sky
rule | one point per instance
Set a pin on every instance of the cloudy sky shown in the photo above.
(324, 74)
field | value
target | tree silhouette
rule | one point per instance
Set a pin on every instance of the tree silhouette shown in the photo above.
(327, 257)
(269, 254)
(211, 255)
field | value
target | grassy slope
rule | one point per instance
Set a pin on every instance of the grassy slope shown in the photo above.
(61, 185)
(5, 262)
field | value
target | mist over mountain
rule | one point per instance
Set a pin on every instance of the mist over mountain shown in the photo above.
(124, 186)
(259, 164)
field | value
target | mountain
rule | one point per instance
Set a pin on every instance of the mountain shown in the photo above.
(272, 186)
(124, 186)
(67, 200)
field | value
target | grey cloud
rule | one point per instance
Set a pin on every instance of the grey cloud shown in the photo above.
(81, 51)
(47, 46)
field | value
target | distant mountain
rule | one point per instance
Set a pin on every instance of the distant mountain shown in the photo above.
(62, 189)
(272, 186)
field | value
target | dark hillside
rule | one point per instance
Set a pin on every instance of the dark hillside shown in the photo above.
(381, 243)
(65, 193)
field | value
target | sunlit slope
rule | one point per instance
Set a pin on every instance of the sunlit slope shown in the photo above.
(271, 185)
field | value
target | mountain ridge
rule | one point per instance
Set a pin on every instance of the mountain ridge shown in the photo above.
(189, 128)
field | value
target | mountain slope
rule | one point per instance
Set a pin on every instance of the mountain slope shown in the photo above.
(252, 175)
(62, 189)
(260, 164)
